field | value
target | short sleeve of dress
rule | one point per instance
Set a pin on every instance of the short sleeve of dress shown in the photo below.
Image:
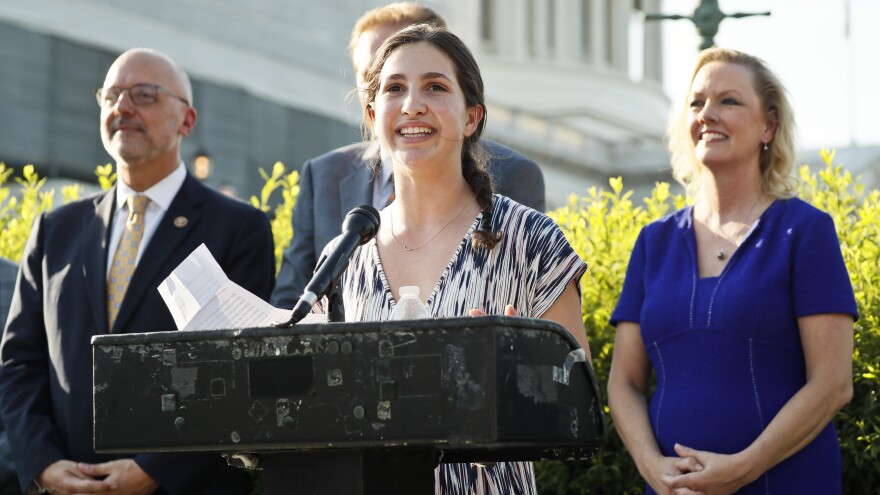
(629, 306)
(558, 265)
(820, 281)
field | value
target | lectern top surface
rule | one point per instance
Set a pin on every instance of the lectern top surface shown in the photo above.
(447, 324)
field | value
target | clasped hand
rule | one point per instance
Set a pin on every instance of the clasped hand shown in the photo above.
(697, 472)
(118, 477)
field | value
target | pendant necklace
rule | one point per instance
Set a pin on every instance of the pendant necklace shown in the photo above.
(720, 254)
(407, 248)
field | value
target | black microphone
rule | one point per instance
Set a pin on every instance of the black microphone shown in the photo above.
(360, 225)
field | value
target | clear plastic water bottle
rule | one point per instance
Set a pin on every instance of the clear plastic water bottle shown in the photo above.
(410, 307)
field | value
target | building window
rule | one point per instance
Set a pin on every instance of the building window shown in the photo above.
(610, 27)
(531, 29)
(586, 28)
(487, 21)
(636, 45)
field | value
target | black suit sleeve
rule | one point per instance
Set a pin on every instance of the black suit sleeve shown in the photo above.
(250, 260)
(300, 258)
(516, 176)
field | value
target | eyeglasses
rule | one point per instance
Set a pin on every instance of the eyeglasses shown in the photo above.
(141, 94)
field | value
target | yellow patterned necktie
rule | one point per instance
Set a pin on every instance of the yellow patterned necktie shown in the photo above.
(126, 255)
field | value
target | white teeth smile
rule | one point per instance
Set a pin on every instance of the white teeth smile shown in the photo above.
(711, 136)
(415, 131)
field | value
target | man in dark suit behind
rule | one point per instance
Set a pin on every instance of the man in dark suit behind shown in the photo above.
(8, 480)
(334, 183)
(8, 271)
(62, 294)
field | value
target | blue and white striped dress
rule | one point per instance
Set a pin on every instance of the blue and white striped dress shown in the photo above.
(529, 268)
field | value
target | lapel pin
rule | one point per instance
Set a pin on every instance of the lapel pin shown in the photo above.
(180, 222)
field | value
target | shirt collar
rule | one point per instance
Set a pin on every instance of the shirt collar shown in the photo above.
(386, 169)
(161, 193)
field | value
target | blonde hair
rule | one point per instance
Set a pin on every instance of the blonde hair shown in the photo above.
(400, 14)
(776, 163)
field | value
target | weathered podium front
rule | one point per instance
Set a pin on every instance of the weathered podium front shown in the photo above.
(371, 406)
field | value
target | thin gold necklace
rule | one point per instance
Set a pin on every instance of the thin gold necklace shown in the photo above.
(407, 248)
(735, 239)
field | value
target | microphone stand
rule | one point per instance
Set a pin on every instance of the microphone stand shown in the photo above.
(335, 310)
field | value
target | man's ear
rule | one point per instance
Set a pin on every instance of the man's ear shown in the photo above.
(189, 121)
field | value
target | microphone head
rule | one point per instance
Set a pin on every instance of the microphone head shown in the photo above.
(364, 220)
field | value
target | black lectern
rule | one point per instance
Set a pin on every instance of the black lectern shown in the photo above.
(351, 407)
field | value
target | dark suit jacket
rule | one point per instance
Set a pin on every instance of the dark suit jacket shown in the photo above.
(46, 372)
(8, 272)
(334, 183)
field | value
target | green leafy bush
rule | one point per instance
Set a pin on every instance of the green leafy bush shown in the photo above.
(18, 211)
(603, 227)
(857, 217)
(281, 219)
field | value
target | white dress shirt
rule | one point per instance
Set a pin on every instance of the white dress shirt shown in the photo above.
(161, 195)
(383, 186)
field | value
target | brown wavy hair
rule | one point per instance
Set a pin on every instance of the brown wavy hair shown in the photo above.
(473, 155)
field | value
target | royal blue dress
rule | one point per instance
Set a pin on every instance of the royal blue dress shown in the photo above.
(726, 350)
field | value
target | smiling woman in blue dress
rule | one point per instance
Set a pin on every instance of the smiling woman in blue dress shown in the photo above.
(740, 305)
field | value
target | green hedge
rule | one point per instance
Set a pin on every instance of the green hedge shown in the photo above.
(602, 226)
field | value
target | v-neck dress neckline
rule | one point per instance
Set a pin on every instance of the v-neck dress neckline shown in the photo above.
(389, 294)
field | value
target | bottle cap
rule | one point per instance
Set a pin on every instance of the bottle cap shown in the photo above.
(409, 291)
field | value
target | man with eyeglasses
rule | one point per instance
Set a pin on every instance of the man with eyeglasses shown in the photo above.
(92, 267)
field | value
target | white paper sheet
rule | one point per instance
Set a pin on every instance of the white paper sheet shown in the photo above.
(201, 297)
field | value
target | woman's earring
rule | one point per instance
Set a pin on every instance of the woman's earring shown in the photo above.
(766, 147)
